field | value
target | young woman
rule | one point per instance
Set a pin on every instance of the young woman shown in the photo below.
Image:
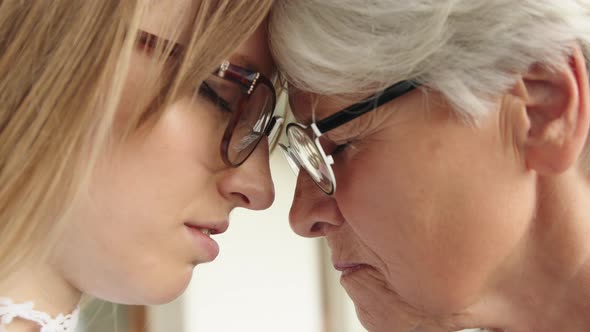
(128, 132)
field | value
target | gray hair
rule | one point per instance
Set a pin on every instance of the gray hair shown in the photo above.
(468, 50)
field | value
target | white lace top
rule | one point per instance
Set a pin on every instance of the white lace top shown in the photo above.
(61, 323)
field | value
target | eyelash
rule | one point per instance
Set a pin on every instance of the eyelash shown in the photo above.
(206, 91)
(340, 148)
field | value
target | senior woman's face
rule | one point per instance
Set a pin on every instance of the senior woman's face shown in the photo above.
(426, 206)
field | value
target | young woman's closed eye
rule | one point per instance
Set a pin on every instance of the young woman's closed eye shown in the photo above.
(212, 96)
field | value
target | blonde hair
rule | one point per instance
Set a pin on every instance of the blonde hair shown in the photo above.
(62, 68)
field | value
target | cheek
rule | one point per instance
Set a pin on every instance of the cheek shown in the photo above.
(152, 176)
(126, 243)
(120, 267)
(440, 217)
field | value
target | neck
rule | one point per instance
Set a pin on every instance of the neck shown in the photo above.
(545, 285)
(43, 285)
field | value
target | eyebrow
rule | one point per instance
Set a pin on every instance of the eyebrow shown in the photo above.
(309, 118)
(149, 41)
(305, 120)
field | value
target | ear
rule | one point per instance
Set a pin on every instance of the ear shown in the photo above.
(558, 116)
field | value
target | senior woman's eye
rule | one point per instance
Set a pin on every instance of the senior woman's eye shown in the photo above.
(340, 148)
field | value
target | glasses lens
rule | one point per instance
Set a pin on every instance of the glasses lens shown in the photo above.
(291, 159)
(254, 119)
(310, 158)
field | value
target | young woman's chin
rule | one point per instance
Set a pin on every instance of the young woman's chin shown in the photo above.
(151, 289)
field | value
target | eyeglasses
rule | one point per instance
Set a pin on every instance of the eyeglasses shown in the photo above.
(245, 100)
(305, 150)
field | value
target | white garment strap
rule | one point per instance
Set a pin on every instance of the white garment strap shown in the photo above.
(62, 323)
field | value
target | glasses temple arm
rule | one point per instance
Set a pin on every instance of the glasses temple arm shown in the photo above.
(354, 111)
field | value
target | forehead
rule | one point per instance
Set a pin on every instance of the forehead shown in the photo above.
(254, 53)
(171, 19)
(168, 19)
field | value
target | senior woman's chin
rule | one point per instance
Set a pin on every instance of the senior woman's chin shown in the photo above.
(380, 309)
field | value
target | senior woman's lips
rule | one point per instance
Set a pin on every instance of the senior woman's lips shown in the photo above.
(348, 268)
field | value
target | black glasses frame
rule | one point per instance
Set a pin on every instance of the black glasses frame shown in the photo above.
(316, 129)
(354, 111)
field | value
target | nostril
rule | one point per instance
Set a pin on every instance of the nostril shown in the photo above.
(316, 227)
(242, 199)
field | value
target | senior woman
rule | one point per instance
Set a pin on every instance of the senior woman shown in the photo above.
(442, 146)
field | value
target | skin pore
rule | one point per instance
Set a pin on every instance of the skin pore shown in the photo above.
(127, 241)
(460, 226)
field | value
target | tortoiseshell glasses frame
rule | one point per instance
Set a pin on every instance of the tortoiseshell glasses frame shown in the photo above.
(253, 118)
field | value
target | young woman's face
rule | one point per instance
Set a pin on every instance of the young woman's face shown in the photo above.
(136, 236)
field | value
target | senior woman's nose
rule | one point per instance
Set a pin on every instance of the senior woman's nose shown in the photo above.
(313, 213)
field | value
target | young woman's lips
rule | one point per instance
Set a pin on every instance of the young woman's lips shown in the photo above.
(348, 268)
(207, 248)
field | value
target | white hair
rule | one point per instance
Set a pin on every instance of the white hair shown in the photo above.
(469, 50)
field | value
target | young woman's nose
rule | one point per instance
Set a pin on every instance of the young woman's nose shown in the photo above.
(250, 185)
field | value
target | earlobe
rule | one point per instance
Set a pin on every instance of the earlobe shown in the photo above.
(557, 109)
